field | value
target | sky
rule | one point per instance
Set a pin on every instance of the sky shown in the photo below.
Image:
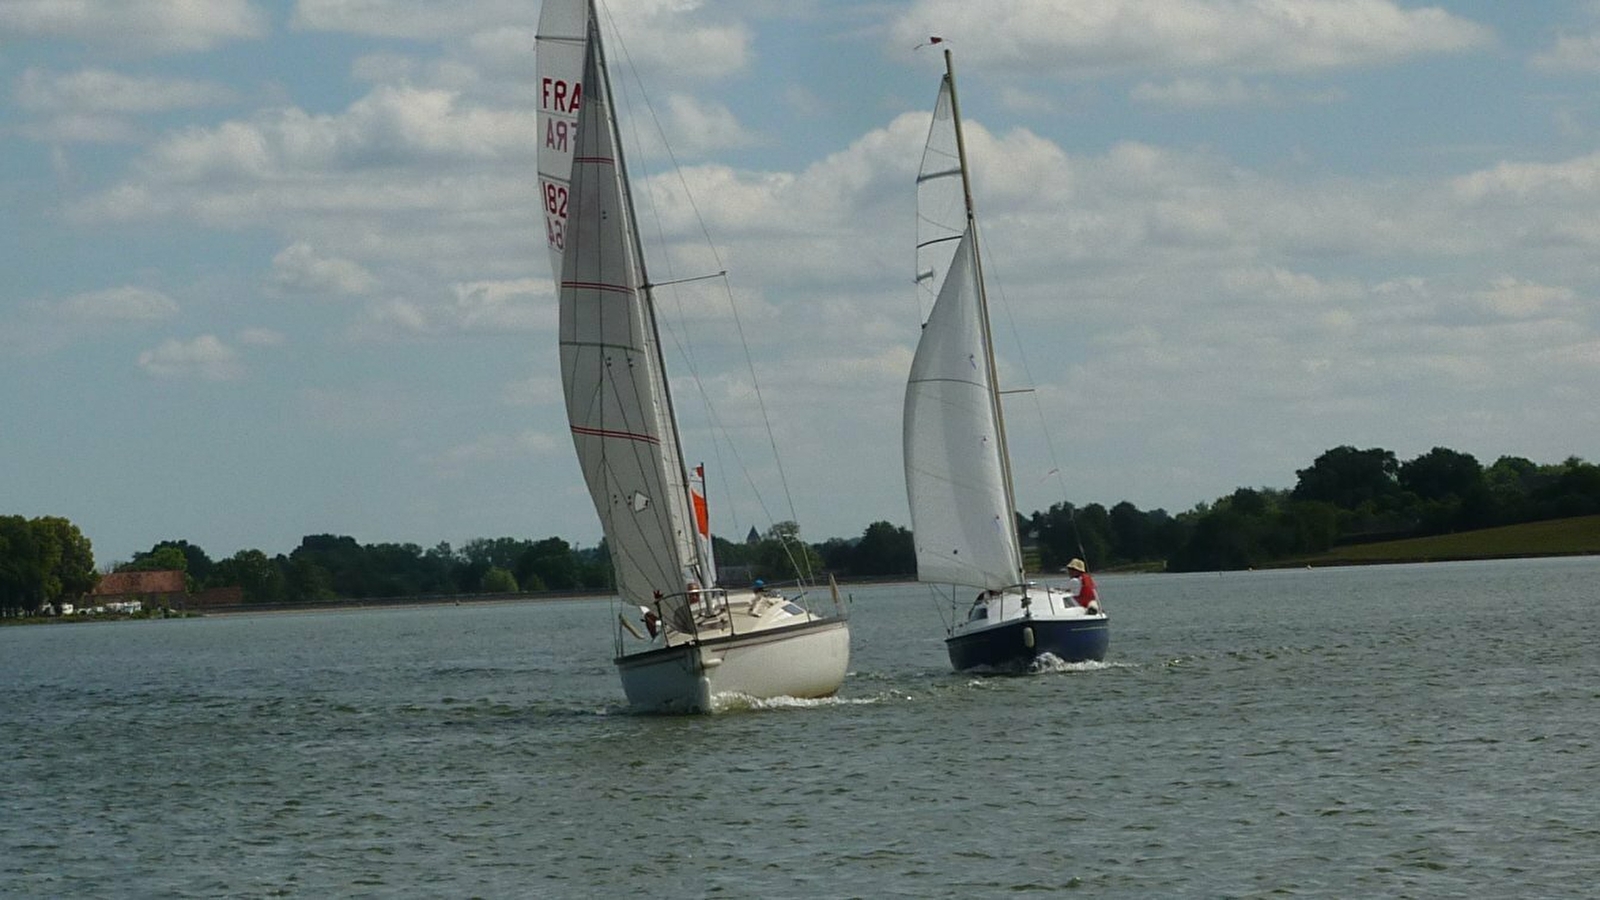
(273, 269)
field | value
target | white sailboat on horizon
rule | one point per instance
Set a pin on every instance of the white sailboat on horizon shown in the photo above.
(700, 644)
(958, 467)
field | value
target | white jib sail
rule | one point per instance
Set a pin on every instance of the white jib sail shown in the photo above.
(616, 401)
(959, 514)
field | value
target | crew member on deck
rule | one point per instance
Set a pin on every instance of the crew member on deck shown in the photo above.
(1081, 586)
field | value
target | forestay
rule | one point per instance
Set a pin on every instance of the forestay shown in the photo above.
(611, 367)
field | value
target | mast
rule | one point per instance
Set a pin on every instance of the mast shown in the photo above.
(983, 316)
(648, 296)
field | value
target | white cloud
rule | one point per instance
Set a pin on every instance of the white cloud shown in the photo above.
(391, 125)
(409, 19)
(100, 92)
(204, 357)
(1202, 93)
(120, 304)
(299, 269)
(80, 129)
(395, 317)
(524, 305)
(535, 390)
(492, 307)
(261, 337)
(1513, 299)
(156, 26)
(529, 444)
(1099, 36)
(658, 36)
(1570, 53)
(1529, 181)
(1032, 103)
(695, 126)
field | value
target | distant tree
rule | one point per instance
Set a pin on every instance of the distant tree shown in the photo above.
(259, 579)
(195, 561)
(326, 566)
(1250, 502)
(499, 581)
(594, 567)
(549, 563)
(163, 557)
(1441, 474)
(787, 530)
(43, 561)
(72, 574)
(782, 555)
(23, 567)
(304, 580)
(1314, 525)
(1347, 477)
(395, 570)
(884, 549)
(1064, 532)
(439, 568)
(1221, 539)
(729, 553)
(1132, 532)
(1510, 482)
(503, 552)
(1575, 490)
(838, 555)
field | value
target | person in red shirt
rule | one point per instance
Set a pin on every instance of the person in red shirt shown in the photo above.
(1081, 586)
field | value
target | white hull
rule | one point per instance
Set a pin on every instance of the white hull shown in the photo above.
(804, 660)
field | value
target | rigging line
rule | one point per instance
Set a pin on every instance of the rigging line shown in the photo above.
(719, 426)
(1044, 426)
(685, 341)
(738, 322)
(678, 281)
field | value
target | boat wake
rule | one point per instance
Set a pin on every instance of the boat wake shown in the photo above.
(735, 701)
(1043, 664)
(1049, 662)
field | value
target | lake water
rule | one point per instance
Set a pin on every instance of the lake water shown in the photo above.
(1406, 731)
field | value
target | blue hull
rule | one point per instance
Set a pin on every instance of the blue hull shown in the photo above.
(1005, 648)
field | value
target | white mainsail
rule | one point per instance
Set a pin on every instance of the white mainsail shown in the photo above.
(941, 199)
(611, 365)
(961, 509)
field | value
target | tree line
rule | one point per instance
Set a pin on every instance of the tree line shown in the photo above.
(1345, 496)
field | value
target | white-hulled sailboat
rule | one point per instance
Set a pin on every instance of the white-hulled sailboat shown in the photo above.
(696, 641)
(958, 470)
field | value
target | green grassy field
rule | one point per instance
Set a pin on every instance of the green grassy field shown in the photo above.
(1556, 537)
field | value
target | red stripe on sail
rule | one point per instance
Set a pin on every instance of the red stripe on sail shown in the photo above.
(620, 435)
